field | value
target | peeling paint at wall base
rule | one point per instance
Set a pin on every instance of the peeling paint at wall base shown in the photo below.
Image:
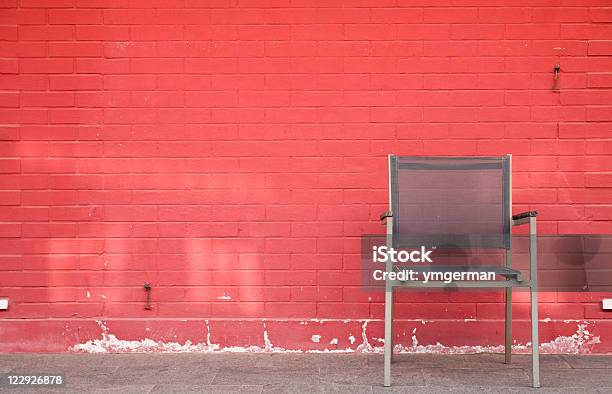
(581, 341)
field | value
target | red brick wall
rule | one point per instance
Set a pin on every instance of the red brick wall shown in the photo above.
(236, 149)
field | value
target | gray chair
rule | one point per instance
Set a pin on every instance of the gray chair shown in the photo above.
(458, 202)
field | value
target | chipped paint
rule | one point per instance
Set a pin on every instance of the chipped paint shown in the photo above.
(581, 341)
(365, 345)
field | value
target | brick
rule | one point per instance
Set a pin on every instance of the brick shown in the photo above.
(600, 15)
(448, 81)
(598, 114)
(9, 33)
(47, 99)
(600, 48)
(46, 32)
(599, 80)
(450, 15)
(396, 15)
(477, 31)
(45, 66)
(155, 33)
(9, 99)
(586, 97)
(73, 17)
(121, 49)
(317, 32)
(291, 15)
(74, 49)
(46, 3)
(75, 82)
(239, 16)
(587, 163)
(598, 212)
(156, 66)
(603, 179)
(423, 31)
(23, 17)
(75, 116)
(10, 198)
(585, 31)
(9, 133)
(560, 14)
(450, 48)
(370, 64)
(539, 30)
(102, 66)
(264, 33)
(450, 114)
(369, 32)
(505, 15)
(460, 147)
(211, 65)
(342, 15)
(9, 66)
(128, 17)
(101, 33)
(129, 82)
(391, 114)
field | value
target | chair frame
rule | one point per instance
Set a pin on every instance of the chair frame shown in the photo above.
(519, 219)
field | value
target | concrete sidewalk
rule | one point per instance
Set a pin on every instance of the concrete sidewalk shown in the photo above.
(297, 373)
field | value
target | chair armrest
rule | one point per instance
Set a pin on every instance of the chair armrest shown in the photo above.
(386, 214)
(523, 217)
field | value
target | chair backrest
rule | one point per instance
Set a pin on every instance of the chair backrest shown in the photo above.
(451, 202)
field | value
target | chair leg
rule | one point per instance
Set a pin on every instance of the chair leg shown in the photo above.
(535, 341)
(508, 332)
(392, 330)
(388, 335)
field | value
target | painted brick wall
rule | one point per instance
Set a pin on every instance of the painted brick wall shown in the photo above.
(232, 152)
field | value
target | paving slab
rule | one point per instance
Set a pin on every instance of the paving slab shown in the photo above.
(310, 372)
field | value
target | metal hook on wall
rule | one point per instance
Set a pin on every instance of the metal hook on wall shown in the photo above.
(147, 288)
(556, 71)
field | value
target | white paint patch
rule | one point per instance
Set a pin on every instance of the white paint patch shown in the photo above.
(268, 345)
(334, 341)
(224, 297)
(365, 345)
(316, 338)
(351, 339)
(88, 294)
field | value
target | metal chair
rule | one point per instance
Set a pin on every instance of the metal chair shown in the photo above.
(461, 202)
